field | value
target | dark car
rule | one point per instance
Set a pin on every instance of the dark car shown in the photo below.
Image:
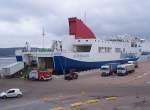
(71, 76)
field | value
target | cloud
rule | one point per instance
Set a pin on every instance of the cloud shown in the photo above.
(22, 20)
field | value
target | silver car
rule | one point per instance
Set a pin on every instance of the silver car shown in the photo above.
(14, 92)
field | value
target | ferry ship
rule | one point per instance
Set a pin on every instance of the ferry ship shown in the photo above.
(81, 50)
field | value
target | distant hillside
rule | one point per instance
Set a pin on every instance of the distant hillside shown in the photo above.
(9, 52)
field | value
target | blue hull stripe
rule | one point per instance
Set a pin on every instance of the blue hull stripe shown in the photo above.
(63, 64)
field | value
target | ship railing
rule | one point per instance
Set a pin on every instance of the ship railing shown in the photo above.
(38, 53)
(70, 52)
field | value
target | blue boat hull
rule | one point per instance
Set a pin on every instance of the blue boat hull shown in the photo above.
(63, 65)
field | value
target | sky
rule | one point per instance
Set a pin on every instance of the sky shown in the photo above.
(22, 20)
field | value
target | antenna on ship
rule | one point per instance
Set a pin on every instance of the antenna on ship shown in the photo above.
(85, 16)
(43, 34)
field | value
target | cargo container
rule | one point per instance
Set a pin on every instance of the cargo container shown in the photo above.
(125, 69)
(109, 69)
(12, 68)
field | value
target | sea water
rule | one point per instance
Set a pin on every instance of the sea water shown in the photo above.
(7, 61)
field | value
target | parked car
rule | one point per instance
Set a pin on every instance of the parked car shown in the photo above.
(14, 92)
(71, 76)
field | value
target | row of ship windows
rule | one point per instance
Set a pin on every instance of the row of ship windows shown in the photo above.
(132, 43)
(101, 41)
(109, 49)
(104, 40)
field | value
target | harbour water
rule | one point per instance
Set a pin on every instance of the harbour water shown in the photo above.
(7, 61)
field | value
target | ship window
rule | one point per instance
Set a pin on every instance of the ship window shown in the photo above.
(133, 44)
(107, 49)
(117, 50)
(101, 49)
(124, 50)
(104, 49)
(83, 48)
